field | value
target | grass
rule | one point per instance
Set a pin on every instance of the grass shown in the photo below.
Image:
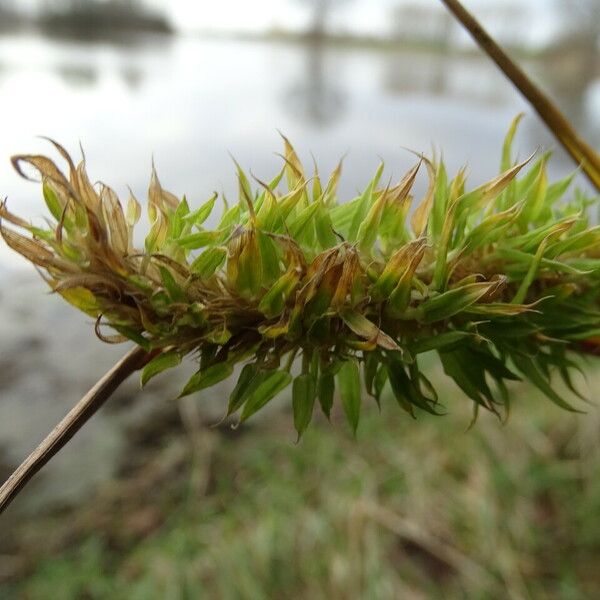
(500, 511)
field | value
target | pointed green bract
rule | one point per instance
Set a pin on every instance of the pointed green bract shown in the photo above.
(454, 301)
(270, 385)
(208, 262)
(326, 389)
(350, 391)
(208, 377)
(198, 217)
(164, 361)
(303, 401)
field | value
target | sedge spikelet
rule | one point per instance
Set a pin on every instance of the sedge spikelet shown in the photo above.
(502, 281)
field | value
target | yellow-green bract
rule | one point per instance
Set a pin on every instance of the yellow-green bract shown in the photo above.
(502, 281)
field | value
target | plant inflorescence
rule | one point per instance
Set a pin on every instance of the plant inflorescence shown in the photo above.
(296, 287)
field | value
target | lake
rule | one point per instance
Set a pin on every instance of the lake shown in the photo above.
(187, 102)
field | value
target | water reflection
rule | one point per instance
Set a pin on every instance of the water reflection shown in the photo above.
(132, 75)
(78, 75)
(317, 97)
(455, 77)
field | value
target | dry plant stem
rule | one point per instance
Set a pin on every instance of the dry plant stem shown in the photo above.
(579, 150)
(72, 423)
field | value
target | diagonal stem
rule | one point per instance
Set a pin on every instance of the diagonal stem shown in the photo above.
(72, 423)
(578, 149)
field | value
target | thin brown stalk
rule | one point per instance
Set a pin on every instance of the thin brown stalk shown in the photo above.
(71, 424)
(565, 133)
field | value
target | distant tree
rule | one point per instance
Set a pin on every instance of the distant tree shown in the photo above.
(321, 12)
(581, 20)
(6, 6)
(85, 16)
(9, 14)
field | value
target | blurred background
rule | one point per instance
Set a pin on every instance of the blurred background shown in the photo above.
(150, 500)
